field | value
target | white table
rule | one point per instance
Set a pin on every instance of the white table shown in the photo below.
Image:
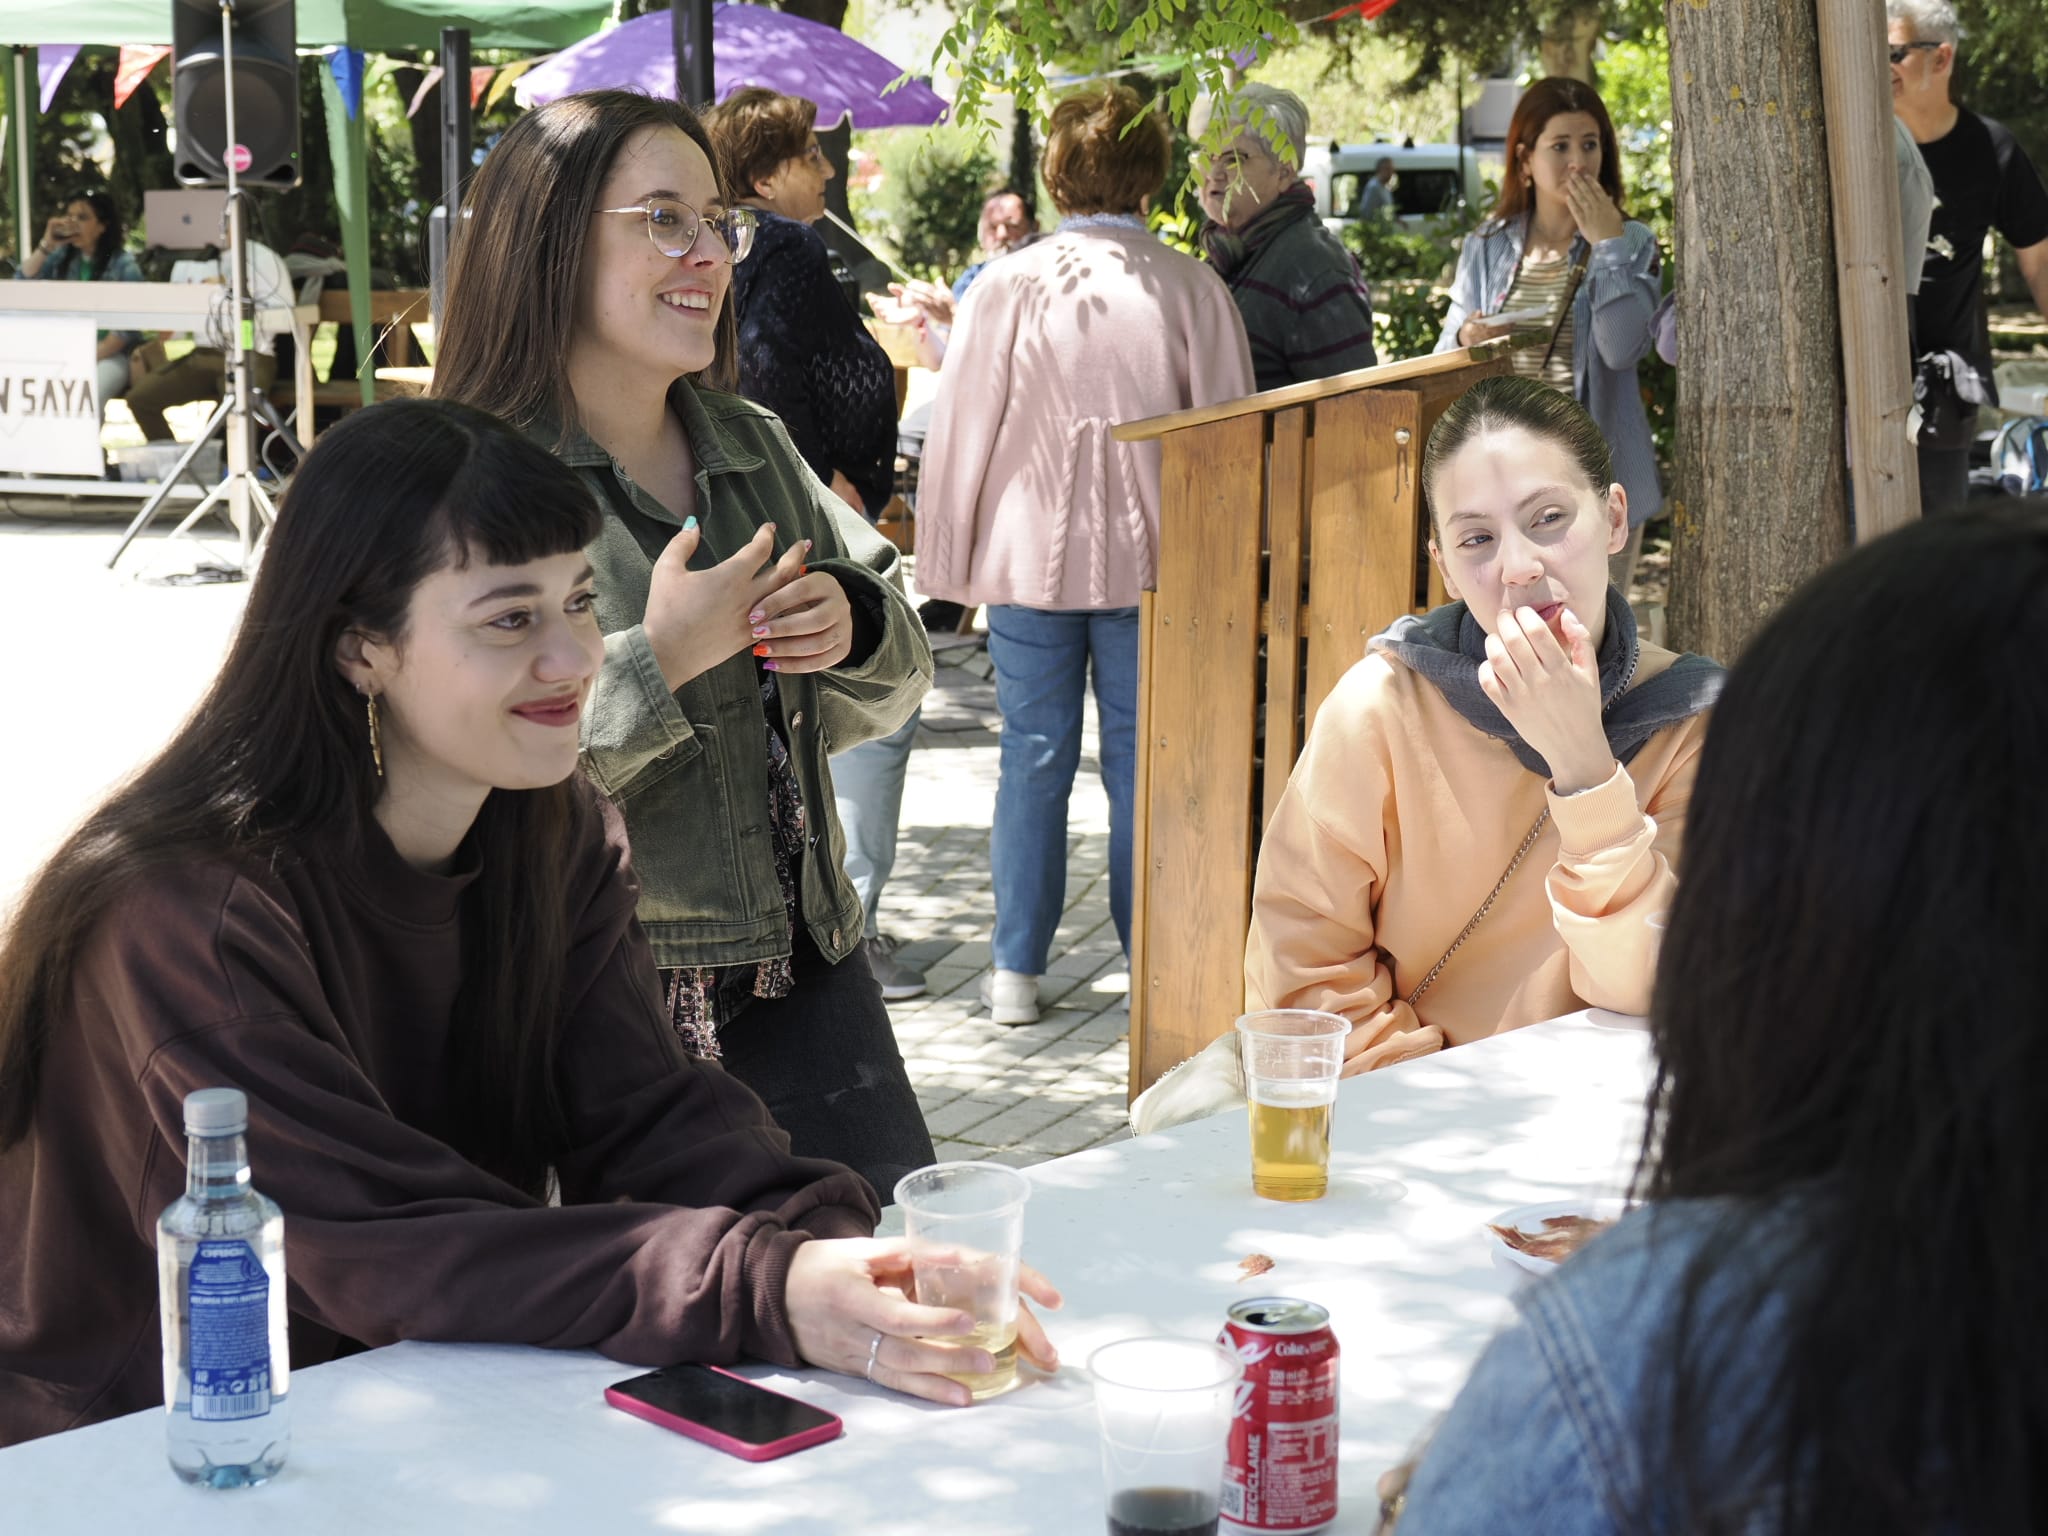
(1145, 1236)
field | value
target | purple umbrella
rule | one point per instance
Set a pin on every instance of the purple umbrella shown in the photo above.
(750, 45)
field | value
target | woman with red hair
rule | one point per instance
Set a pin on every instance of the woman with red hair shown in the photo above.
(1565, 272)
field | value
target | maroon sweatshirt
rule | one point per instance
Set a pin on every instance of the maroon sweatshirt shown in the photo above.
(323, 989)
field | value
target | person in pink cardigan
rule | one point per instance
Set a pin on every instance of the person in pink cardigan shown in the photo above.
(1027, 505)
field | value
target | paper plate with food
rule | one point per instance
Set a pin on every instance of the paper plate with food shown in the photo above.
(1535, 1239)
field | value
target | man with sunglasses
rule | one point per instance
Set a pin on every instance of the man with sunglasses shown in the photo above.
(1982, 180)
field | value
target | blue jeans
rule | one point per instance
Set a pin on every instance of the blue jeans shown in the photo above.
(867, 790)
(1042, 659)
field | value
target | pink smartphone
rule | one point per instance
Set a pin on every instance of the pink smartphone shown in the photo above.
(727, 1412)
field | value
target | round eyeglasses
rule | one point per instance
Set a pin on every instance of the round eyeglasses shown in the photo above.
(673, 226)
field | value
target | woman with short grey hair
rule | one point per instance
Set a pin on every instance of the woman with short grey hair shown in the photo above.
(1306, 307)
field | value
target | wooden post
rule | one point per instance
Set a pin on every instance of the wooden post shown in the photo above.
(1864, 190)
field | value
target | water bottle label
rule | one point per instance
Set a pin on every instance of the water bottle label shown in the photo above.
(229, 1296)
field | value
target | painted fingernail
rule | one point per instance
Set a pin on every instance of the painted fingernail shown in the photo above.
(761, 632)
(808, 543)
(803, 570)
(689, 523)
(772, 666)
(760, 650)
(757, 616)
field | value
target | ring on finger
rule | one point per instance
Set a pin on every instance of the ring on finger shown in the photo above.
(874, 1349)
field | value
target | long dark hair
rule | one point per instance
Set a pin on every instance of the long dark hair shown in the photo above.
(1849, 1010)
(278, 752)
(108, 212)
(518, 264)
(1546, 99)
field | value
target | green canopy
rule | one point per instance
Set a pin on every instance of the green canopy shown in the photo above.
(375, 26)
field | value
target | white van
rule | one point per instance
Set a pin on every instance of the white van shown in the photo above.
(1430, 180)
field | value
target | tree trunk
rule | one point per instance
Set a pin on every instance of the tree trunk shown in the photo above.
(1760, 500)
(1567, 39)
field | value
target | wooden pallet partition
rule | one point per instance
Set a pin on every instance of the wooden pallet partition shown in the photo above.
(1291, 530)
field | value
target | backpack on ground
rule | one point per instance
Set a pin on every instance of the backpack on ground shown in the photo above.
(2019, 456)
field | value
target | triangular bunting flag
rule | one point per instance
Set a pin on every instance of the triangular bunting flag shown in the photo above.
(52, 60)
(479, 78)
(428, 81)
(137, 60)
(346, 65)
(504, 82)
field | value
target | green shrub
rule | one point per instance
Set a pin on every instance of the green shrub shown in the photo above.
(928, 206)
(1408, 316)
(1388, 251)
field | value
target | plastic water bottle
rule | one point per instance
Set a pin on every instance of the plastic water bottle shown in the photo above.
(220, 1277)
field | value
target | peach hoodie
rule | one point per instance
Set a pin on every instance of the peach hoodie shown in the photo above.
(1398, 819)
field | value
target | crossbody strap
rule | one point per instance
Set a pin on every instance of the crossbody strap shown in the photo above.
(1564, 313)
(1485, 906)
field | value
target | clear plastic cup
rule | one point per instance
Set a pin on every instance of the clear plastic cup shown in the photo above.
(969, 1219)
(1165, 1409)
(1291, 1060)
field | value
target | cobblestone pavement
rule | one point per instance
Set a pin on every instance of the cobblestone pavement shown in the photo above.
(1009, 1094)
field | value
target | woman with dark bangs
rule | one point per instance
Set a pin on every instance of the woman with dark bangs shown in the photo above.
(365, 885)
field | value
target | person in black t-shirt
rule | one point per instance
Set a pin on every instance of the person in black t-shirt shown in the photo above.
(1982, 181)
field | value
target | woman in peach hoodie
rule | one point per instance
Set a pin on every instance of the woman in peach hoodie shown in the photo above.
(1520, 752)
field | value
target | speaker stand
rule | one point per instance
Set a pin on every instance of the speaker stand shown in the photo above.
(243, 493)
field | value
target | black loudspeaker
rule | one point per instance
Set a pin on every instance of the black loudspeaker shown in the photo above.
(266, 85)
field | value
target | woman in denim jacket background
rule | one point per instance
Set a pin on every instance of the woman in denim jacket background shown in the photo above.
(1558, 230)
(1828, 1315)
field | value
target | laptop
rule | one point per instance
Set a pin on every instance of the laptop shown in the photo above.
(188, 219)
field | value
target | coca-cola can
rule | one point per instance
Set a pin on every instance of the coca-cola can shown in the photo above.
(1282, 1470)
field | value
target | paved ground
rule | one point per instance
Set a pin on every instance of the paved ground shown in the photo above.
(103, 664)
(1016, 1095)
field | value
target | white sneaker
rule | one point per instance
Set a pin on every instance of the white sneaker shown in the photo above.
(1011, 997)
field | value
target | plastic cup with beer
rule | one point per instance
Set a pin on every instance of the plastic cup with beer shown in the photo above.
(1291, 1059)
(966, 1224)
(1165, 1407)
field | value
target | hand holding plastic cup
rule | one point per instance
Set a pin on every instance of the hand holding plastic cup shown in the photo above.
(968, 1218)
(1165, 1407)
(1291, 1060)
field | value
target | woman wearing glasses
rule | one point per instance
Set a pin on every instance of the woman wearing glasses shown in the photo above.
(752, 625)
(804, 354)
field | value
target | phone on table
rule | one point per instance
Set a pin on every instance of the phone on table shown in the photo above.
(724, 1411)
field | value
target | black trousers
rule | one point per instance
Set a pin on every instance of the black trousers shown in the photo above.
(824, 1060)
(1944, 479)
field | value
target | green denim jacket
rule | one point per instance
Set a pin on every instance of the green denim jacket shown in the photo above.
(690, 768)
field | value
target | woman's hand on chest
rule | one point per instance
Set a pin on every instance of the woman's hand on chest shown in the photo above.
(696, 619)
(806, 626)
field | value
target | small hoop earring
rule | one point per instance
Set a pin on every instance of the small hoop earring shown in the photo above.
(376, 738)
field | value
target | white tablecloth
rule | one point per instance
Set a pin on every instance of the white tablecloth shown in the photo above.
(1143, 1237)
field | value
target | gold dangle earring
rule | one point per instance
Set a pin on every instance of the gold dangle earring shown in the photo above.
(376, 741)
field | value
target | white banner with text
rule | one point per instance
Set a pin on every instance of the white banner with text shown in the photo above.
(49, 420)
